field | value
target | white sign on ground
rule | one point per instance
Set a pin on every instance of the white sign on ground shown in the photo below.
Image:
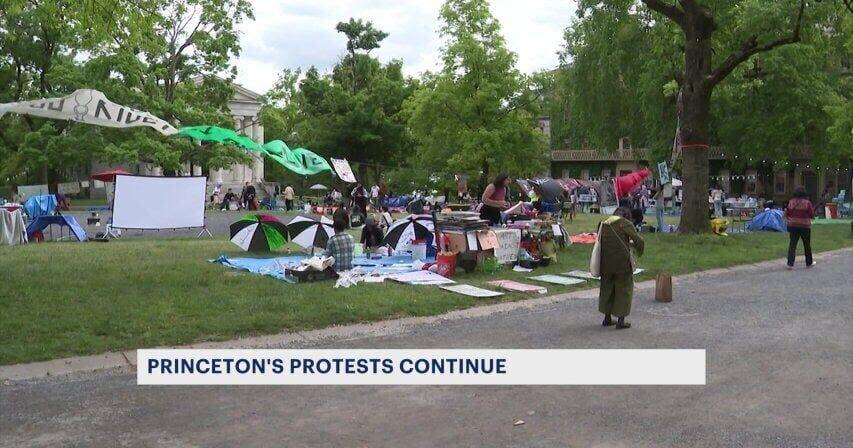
(508, 243)
(153, 202)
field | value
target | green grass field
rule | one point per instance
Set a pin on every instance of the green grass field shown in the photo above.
(65, 299)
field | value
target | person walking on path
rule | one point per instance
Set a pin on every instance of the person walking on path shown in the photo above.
(799, 214)
(618, 238)
(289, 194)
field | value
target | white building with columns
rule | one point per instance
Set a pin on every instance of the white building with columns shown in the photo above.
(245, 108)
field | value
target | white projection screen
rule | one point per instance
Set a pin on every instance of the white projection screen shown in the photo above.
(154, 202)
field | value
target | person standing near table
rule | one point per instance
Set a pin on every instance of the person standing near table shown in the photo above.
(359, 198)
(717, 199)
(798, 215)
(617, 237)
(494, 199)
(288, 197)
(659, 207)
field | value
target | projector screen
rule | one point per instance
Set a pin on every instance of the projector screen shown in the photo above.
(143, 202)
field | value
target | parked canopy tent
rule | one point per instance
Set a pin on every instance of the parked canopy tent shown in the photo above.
(42, 222)
(770, 220)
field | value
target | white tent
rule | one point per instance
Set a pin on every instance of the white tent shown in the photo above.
(318, 187)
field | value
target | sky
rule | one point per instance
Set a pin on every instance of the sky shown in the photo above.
(300, 33)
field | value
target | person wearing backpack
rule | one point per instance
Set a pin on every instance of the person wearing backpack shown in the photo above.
(618, 244)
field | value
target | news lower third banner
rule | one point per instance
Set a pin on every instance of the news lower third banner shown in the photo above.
(420, 367)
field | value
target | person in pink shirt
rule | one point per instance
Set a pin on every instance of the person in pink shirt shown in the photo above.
(798, 215)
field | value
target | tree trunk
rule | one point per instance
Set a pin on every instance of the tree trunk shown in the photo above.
(694, 114)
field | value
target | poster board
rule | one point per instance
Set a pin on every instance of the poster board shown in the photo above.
(663, 172)
(508, 243)
(28, 191)
(154, 202)
(343, 169)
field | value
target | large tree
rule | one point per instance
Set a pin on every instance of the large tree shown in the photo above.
(477, 115)
(639, 69)
(352, 112)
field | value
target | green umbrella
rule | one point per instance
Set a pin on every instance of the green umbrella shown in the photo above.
(219, 135)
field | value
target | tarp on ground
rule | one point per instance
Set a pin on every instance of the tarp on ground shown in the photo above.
(40, 205)
(42, 222)
(770, 220)
(274, 267)
(398, 201)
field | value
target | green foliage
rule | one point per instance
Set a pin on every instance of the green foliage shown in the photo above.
(476, 116)
(352, 112)
(621, 61)
(146, 54)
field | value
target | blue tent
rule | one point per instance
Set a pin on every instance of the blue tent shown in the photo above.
(42, 222)
(40, 205)
(768, 220)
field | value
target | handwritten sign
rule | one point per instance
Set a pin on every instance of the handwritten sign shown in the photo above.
(488, 239)
(508, 242)
(343, 169)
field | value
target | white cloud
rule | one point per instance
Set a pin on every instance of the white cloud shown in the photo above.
(301, 33)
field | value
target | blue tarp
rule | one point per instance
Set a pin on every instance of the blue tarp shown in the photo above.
(398, 201)
(273, 266)
(42, 222)
(40, 205)
(768, 220)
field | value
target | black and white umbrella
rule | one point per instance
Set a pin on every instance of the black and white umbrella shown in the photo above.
(308, 232)
(403, 231)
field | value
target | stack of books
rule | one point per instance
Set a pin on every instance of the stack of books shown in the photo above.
(463, 221)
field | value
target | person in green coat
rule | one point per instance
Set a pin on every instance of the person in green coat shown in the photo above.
(618, 237)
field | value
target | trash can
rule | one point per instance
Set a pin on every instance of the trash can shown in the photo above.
(831, 210)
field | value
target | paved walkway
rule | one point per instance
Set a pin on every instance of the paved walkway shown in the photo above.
(780, 374)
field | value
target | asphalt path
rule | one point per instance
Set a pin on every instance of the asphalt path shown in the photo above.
(779, 374)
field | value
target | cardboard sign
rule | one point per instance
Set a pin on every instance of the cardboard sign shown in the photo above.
(508, 242)
(471, 291)
(488, 239)
(343, 169)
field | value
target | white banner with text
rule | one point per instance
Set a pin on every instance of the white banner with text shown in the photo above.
(421, 367)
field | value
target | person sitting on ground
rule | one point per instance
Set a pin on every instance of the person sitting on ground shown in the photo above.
(227, 200)
(371, 235)
(340, 246)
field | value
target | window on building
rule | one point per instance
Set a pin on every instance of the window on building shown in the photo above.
(779, 180)
(585, 174)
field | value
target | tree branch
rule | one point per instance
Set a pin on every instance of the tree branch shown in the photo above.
(751, 47)
(670, 11)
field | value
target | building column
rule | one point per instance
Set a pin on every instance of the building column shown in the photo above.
(258, 161)
(196, 170)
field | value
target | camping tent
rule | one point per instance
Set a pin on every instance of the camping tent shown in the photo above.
(42, 222)
(768, 220)
(40, 205)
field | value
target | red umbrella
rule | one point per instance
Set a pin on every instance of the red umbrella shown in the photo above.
(627, 183)
(108, 176)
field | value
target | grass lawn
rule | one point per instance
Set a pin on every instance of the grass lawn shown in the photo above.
(65, 299)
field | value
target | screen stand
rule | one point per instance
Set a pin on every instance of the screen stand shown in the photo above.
(203, 231)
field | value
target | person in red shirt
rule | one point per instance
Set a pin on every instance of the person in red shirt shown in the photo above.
(799, 214)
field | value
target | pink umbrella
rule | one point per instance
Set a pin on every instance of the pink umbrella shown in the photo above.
(627, 183)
